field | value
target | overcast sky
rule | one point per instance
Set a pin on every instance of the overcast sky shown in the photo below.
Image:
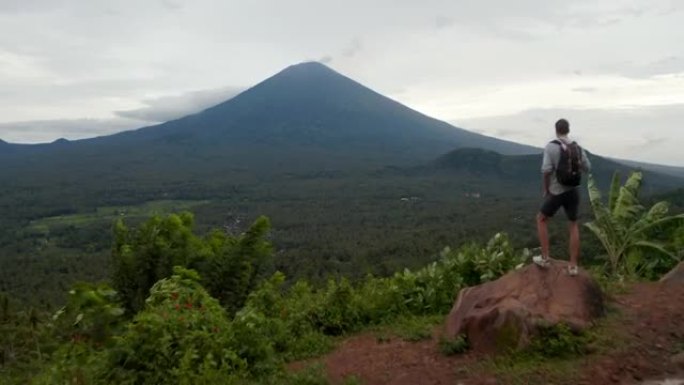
(614, 68)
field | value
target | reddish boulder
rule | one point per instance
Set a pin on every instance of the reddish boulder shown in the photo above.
(675, 276)
(505, 314)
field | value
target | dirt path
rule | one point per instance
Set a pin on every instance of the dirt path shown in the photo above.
(652, 315)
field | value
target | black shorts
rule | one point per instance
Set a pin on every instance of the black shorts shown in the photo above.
(569, 200)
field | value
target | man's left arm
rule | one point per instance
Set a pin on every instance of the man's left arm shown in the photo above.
(546, 169)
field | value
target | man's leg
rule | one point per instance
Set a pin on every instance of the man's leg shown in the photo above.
(548, 209)
(574, 243)
(571, 207)
(543, 233)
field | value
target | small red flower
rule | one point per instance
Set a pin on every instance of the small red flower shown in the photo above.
(174, 296)
(188, 305)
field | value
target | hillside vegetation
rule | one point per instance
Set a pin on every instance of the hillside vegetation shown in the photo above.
(188, 308)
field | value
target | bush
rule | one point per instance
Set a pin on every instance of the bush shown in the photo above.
(628, 232)
(558, 341)
(183, 335)
(476, 264)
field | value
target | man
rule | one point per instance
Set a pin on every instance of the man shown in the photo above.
(562, 166)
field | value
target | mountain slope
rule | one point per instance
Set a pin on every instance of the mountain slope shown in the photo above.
(309, 104)
(305, 111)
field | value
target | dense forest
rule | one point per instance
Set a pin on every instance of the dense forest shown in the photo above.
(326, 225)
(348, 226)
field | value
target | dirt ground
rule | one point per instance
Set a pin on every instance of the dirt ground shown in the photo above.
(651, 314)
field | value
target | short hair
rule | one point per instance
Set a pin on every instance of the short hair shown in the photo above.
(562, 127)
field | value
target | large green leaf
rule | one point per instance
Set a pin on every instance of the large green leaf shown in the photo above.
(600, 211)
(614, 191)
(627, 206)
(607, 241)
(642, 227)
(657, 212)
(658, 247)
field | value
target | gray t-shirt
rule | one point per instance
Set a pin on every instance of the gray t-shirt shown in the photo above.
(552, 153)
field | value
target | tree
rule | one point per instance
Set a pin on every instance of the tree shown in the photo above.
(229, 265)
(23, 337)
(230, 271)
(148, 254)
(623, 226)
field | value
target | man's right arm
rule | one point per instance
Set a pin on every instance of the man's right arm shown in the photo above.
(586, 164)
(546, 182)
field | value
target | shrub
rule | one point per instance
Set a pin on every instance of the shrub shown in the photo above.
(92, 314)
(623, 227)
(475, 264)
(558, 341)
(181, 336)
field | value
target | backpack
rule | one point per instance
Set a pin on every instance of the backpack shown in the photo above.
(569, 168)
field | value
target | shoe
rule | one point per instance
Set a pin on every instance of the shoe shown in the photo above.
(541, 261)
(573, 270)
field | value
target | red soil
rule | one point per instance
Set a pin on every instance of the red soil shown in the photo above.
(653, 316)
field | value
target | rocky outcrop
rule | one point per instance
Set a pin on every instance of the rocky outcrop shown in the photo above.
(675, 276)
(506, 313)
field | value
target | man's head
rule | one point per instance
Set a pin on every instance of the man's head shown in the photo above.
(562, 127)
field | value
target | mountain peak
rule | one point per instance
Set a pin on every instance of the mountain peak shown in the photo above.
(307, 71)
(308, 66)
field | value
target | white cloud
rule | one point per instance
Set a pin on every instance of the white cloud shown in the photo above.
(607, 92)
(41, 131)
(639, 133)
(454, 59)
(165, 108)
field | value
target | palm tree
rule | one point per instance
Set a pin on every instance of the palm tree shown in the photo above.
(622, 226)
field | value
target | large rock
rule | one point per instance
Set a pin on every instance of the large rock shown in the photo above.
(506, 313)
(675, 276)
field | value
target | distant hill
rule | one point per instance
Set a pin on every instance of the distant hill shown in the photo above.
(526, 168)
(659, 168)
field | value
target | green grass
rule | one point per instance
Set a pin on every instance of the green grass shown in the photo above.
(313, 374)
(109, 213)
(408, 328)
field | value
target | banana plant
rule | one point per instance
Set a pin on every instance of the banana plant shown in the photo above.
(623, 225)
